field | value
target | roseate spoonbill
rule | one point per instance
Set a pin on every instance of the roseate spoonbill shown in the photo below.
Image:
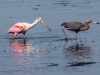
(77, 26)
(22, 27)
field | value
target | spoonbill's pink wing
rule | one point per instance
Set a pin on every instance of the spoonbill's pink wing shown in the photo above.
(16, 29)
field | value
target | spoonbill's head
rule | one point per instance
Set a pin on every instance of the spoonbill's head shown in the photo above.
(91, 21)
(41, 20)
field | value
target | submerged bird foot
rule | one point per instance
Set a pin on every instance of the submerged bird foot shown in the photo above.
(66, 38)
(14, 38)
(24, 37)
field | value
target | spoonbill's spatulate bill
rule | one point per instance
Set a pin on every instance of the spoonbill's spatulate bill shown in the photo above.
(22, 27)
(77, 26)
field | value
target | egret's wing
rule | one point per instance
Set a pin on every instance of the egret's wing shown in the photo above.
(72, 25)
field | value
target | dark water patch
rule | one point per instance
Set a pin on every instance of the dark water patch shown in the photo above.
(70, 38)
(87, 2)
(39, 5)
(35, 8)
(4, 51)
(51, 64)
(10, 17)
(42, 37)
(6, 36)
(11, 38)
(58, 40)
(35, 39)
(62, 3)
(78, 47)
(65, 39)
(77, 51)
(31, 37)
(53, 38)
(3, 6)
(74, 6)
(81, 63)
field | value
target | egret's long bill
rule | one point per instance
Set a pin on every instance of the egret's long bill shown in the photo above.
(95, 22)
(45, 25)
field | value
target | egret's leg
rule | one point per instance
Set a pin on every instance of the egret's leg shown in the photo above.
(77, 46)
(64, 34)
(76, 36)
(65, 44)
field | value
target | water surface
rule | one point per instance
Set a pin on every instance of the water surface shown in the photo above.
(44, 51)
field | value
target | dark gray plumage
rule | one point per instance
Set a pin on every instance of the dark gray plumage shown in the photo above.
(77, 26)
(72, 26)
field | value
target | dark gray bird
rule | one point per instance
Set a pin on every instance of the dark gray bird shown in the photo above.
(77, 26)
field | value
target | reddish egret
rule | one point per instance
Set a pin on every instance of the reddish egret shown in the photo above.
(22, 27)
(77, 26)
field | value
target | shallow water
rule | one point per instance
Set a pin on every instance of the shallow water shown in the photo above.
(44, 51)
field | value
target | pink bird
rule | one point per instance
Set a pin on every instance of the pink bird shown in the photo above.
(22, 27)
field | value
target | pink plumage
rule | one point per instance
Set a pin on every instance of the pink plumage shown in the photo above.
(17, 28)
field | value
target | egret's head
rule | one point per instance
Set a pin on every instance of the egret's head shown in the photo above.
(91, 21)
(41, 20)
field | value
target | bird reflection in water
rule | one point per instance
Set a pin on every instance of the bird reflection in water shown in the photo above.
(20, 45)
(78, 55)
(77, 51)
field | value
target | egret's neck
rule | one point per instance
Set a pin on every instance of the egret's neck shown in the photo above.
(34, 23)
(85, 27)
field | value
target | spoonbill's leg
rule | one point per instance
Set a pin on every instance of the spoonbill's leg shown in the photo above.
(24, 35)
(15, 34)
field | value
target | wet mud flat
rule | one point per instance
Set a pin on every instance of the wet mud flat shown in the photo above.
(44, 51)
